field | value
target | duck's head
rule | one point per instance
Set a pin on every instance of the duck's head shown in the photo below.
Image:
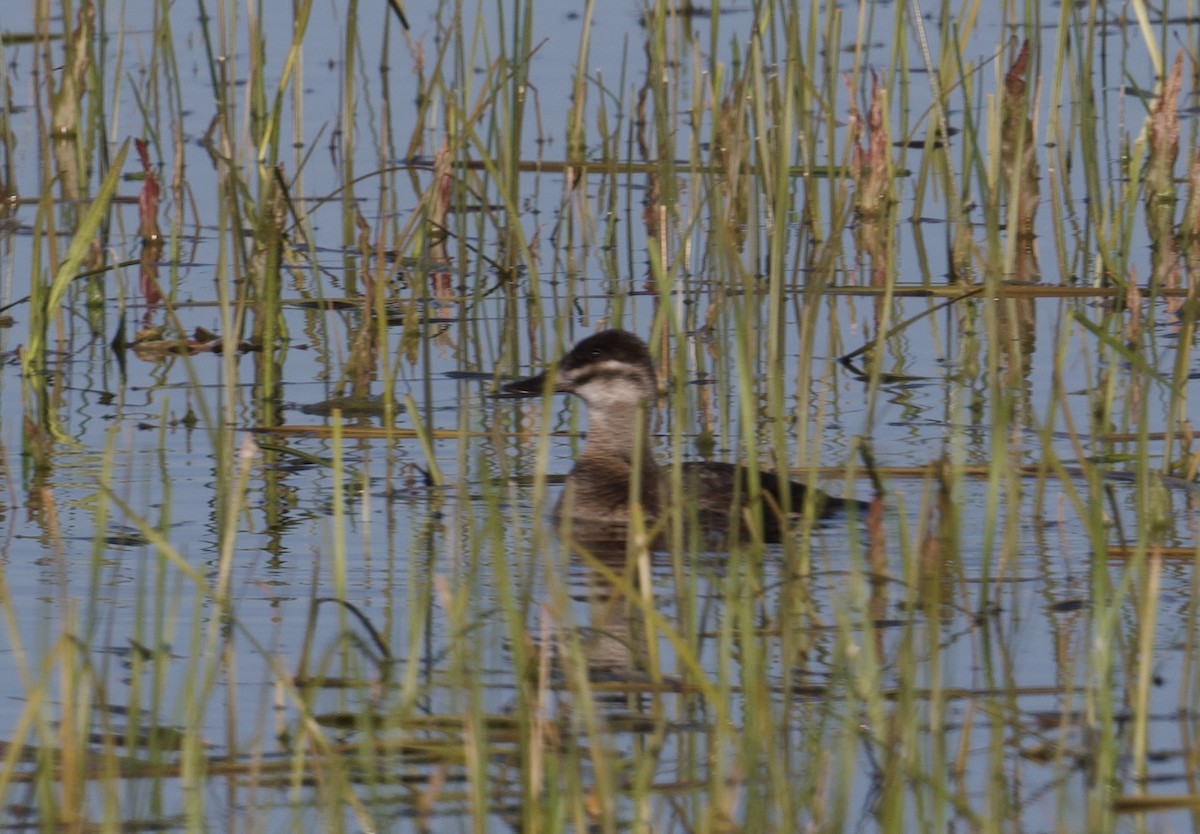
(609, 369)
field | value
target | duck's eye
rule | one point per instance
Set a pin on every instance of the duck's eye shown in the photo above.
(596, 353)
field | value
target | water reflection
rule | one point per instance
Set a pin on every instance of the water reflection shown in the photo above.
(613, 635)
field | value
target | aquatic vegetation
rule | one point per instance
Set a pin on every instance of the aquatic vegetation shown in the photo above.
(275, 554)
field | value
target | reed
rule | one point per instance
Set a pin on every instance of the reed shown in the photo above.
(906, 272)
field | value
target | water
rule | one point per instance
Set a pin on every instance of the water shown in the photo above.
(96, 609)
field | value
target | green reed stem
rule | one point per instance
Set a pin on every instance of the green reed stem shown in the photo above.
(46, 301)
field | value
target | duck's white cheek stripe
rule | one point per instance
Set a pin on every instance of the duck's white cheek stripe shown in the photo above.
(612, 392)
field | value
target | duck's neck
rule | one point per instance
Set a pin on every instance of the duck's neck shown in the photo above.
(616, 469)
(621, 430)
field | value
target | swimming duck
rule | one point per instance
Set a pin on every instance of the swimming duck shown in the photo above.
(612, 372)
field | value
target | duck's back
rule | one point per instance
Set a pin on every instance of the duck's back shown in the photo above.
(598, 490)
(722, 494)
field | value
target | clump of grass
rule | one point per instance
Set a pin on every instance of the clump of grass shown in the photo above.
(857, 676)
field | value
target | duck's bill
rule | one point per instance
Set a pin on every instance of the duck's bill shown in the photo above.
(533, 386)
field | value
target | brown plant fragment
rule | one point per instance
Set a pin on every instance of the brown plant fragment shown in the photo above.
(729, 148)
(870, 167)
(153, 342)
(67, 102)
(152, 241)
(148, 197)
(443, 194)
(1163, 137)
(1133, 308)
(1021, 177)
(1189, 225)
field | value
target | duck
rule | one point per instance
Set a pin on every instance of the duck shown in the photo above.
(613, 373)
